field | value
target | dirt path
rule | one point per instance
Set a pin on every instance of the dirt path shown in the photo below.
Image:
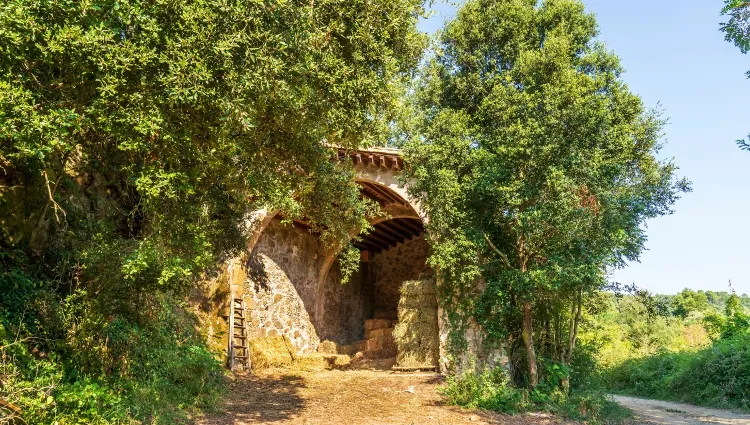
(668, 413)
(348, 398)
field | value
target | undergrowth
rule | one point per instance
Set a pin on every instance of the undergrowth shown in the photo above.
(65, 359)
(492, 390)
(715, 376)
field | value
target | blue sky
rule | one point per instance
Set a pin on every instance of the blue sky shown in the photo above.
(675, 56)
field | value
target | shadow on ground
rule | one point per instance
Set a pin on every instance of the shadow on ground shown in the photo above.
(265, 399)
(335, 397)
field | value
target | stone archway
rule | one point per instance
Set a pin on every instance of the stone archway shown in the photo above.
(292, 283)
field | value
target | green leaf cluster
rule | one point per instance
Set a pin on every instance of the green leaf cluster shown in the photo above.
(737, 31)
(537, 165)
(136, 137)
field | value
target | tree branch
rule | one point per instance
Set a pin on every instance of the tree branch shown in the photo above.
(497, 251)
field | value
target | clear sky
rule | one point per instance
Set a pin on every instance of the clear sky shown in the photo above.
(675, 56)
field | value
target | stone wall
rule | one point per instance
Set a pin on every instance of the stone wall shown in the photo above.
(394, 266)
(345, 306)
(285, 297)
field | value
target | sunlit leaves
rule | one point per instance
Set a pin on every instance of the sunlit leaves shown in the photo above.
(186, 115)
(538, 167)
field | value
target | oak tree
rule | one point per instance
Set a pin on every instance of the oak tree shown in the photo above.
(537, 166)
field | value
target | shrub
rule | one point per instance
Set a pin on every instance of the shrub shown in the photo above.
(492, 390)
(152, 367)
(714, 376)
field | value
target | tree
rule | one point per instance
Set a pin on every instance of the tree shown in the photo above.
(135, 137)
(537, 167)
(182, 116)
(689, 301)
(737, 31)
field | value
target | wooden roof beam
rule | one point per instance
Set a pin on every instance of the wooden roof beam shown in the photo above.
(390, 232)
(388, 194)
(374, 240)
(385, 237)
(409, 222)
(400, 226)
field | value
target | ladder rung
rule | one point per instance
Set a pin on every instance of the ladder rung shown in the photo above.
(240, 357)
(240, 336)
(240, 347)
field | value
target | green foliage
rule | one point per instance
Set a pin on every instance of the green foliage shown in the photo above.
(688, 301)
(115, 370)
(185, 115)
(715, 376)
(668, 352)
(349, 262)
(492, 390)
(734, 321)
(537, 166)
(737, 31)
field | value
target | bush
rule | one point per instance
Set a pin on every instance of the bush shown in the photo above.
(492, 390)
(152, 367)
(715, 376)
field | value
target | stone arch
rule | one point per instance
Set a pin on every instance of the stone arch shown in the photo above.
(391, 211)
(405, 207)
(257, 223)
(297, 260)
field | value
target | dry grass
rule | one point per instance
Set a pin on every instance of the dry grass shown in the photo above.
(348, 398)
(269, 352)
(416, 333)
(361, 397)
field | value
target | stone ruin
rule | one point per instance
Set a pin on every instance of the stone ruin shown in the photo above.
(291, 283)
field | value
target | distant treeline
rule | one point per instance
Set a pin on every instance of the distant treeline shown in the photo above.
(692, 347)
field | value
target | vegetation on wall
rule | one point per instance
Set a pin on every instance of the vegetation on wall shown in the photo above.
(134, 138)
(537, 167)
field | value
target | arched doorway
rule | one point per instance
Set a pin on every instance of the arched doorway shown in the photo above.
(393, 252)
(293, 286)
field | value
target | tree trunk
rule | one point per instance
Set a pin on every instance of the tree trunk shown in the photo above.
(528, 342)
(573, 335)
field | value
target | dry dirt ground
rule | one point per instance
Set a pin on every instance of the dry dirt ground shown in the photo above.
(357, 397)
(667, 413)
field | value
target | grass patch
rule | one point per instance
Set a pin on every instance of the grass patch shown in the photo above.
(492, 390)
(714, 377)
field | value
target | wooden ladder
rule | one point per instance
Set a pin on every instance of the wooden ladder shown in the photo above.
(238, 349)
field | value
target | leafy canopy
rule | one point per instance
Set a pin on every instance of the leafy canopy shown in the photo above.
(737, 31)
(538, 166)
(180, 117)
